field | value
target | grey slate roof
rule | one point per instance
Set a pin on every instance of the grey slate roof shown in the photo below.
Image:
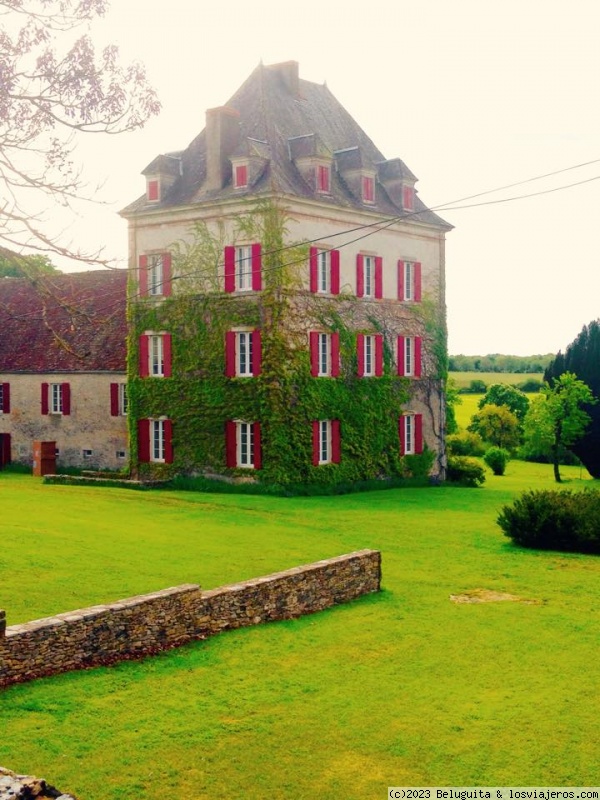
(270, 112)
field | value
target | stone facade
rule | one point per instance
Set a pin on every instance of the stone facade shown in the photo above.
(27, 787)
(146, 624)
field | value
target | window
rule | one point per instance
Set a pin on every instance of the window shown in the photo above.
(411, 434)
(370, 355)
(155, 355)
(324, 271)
(241, 176)
(87, 454)
(242, 444)
(118, 399)
(120, 454)
(323, 179)
(369, 276)
(155, 440)
(243, 354)
(155, 275)
(409, 356)
(324, 354)
(368, 189)
(56, 398)
(243, 268)
(326, 442)
(4, 398)
(409, 281)
(408, 198)
(152, 193)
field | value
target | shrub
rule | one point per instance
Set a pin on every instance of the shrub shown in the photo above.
(475, 387)
(551, 520)
(530, 385)
(465, 471)
(497, 458)
(465, 443)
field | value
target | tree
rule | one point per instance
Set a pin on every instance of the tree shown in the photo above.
(13, 265)
(453, 399)
(501, 394)
(556, 418)
(497, 425)
(582, 358)
(54, 87)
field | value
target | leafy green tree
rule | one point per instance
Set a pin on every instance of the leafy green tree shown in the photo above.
(13, 265)
(453, 399)
(582, 358)
(557, 419)
(501, 394)
(497, 425)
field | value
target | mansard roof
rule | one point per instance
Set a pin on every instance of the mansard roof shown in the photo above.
(292, 119)
(64, 323)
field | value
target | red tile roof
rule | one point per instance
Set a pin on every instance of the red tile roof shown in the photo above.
(64, 323)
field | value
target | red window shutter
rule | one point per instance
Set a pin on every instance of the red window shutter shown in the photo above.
(379, 355)
(167, 355)
(315, 443)
(230, 366)
(408, 198)
(5, 450)
(229, 258)
(360, 275)
(166, 287)
(143, 440)
(336, 441)
(335, 271)
(335, 355)
(66, 399)
(418, 357)
(314, 272)
(401, 356)
(230, 444)
(144, 356)
(6, 398)
(114, 399)
(418, 433)
(257, 446)
(256, 352)
(378, 277)
(45, 391)
(360, 350)
(314, 353)
(152, 190)
(143, 275)
(402, 435)
(168, 431)
(417, 269)
(241, 176)
(256, 268)
(401, 280)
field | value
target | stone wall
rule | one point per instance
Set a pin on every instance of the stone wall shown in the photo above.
(149, 623)
(27, 787)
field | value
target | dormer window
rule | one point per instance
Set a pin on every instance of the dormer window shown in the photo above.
(152, 190)
(323, 179)
(408, 198)
(368, 189)
(240, 176)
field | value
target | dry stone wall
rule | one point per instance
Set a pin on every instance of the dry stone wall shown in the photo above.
(149, 623)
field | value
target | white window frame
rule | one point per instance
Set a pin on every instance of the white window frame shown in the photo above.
(325, 444)
(123, 399)
(369, 356)
(368, 276)
(324, 354)
(244, 444)
(243, 268)
(244, 350)
(87, 453)
(155, 275)
(408, 420)
(409, 356)
(56, 398)
(120, 454)
(1, 398)
(157, 440)
(324, 271)
(156, 355)
(409, 280)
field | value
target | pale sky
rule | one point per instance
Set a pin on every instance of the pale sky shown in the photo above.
(472, 94)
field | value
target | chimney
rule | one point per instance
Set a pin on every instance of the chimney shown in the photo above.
(288, 71)
(222, 138)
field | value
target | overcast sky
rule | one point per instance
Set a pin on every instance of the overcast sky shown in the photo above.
(472, 94)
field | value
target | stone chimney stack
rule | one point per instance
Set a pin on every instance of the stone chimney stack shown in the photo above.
(222, 138)
(289, 73)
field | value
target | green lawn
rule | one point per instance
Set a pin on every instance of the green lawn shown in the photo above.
(402, 688)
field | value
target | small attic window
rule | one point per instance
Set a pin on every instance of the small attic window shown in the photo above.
(408, 198)
(323, 179)
(368, 189)
(240, 176)
(152, 193)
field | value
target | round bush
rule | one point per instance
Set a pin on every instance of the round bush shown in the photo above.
(465, 471)
(465, 443)
(497, 458)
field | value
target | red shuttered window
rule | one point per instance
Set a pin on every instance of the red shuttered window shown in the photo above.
(324, 354)
(243, 353)
(326, 442)
(243, 447)
(409, 281)
(155, 355)
(410, 358)
(410, 430)
(241, 176)
(152, 190)
(324, 271)
(4, 398)
(243, 268)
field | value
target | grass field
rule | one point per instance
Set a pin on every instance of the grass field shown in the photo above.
(402, 688)
(463, 379)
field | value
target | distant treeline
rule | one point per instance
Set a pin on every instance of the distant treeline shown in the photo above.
(496, 362)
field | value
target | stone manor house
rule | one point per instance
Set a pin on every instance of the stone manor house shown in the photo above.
(286, 311)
